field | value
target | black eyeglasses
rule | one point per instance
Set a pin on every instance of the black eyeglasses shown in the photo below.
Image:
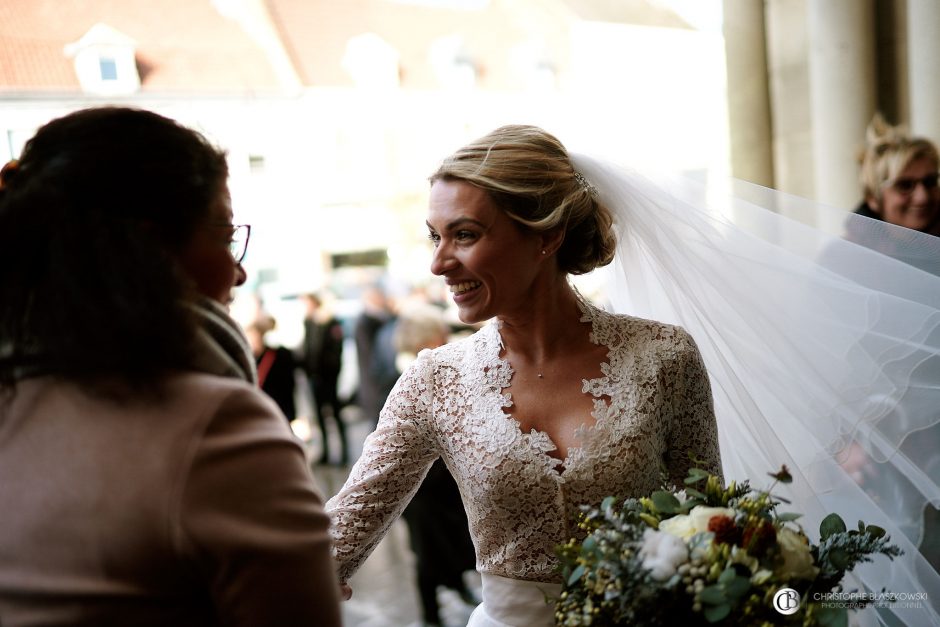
(237, 240)
(906, 186)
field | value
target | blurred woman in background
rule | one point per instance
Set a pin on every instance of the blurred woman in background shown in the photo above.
(899, 178)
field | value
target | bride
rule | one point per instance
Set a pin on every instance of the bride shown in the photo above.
(558, 403)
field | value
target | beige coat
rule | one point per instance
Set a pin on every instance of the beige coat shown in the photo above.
(196, 510)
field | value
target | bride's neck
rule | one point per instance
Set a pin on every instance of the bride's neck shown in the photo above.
(550, 327)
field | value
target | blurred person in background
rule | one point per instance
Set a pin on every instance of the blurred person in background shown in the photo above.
(899, 178)
(275, 364)
(322, 359)
(376, 312)
(147, 479)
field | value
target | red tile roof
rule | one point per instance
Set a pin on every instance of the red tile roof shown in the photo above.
(188, 45)
(182, 44)
(315, 32)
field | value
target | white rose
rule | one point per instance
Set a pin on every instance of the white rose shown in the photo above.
(662, 554)
(797, 560)
(679, 526)
(686, 526)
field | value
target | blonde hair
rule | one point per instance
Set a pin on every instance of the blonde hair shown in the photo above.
(528, 174)
(888, 151)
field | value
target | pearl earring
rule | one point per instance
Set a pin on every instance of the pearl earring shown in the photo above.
(543, 251)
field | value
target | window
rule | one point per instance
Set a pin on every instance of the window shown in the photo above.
(256, 163)
(108, 67)
(105, 61)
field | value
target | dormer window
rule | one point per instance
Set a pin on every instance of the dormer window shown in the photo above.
(108, 69)
(105, 61)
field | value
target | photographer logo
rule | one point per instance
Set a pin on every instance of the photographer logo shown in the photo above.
(787, 601)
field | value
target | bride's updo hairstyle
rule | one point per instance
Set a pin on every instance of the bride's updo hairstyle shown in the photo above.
(528, 174)
(888, 150)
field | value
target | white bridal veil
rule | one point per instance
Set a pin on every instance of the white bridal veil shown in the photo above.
(821, 334)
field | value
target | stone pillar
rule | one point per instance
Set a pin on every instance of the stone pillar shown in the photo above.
(842, 93)
(750, 127)
(923, 40)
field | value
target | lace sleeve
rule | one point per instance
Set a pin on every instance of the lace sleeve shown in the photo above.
(694, 430)
(394, 461)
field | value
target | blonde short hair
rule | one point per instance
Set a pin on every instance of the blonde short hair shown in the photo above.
(528, 174)
(888, 151)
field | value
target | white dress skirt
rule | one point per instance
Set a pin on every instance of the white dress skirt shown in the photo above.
(515, 603)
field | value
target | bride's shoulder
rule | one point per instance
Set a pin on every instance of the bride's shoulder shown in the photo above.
(617, 328)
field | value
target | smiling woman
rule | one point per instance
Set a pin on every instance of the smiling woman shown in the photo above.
(488, 260)
(553, 405)
(899, 179)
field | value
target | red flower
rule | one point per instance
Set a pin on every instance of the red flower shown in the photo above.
(726, 532)
(758, 537)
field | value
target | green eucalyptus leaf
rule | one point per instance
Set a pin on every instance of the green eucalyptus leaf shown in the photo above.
(715, 613)
(875, 531)
(665, 502)
(607, 503)
(576, 574)
(839, 558)
(713, 595)
(726, 575)
(695, 493)
(737, 587)
(830, 525)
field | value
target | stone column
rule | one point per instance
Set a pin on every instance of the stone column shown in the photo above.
(750, 127)
(842, 93)
(923, 40)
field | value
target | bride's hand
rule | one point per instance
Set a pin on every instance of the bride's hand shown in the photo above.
(345, 591)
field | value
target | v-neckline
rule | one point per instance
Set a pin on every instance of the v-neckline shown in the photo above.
(589, 315)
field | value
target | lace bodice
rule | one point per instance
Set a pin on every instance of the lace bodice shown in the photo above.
(521, 502)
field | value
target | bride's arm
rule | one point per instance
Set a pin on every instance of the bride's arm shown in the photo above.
(394, 461)
(694, 431)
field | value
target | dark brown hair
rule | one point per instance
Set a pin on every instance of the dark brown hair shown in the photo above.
(90, 221)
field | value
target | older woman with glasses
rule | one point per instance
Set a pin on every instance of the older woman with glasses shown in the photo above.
(899, 179)
(146, 479)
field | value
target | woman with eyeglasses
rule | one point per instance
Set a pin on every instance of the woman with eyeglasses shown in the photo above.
(146, 479)
(899, 178)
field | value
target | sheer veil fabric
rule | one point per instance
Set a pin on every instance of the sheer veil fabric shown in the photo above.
(821, 334)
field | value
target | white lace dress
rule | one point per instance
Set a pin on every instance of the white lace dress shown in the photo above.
(450, 403)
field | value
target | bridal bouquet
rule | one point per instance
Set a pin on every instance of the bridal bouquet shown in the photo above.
(709, 554)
